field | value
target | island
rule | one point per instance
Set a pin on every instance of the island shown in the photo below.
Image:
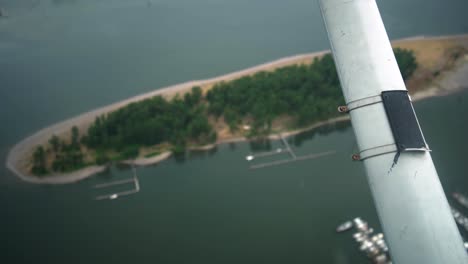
(286, 96)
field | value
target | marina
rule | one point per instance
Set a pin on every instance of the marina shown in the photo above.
(372, 245)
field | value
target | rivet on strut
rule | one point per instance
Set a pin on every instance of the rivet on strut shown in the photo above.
(356, 157)
(343, 109)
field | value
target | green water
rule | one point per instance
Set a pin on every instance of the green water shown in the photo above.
(61, 58)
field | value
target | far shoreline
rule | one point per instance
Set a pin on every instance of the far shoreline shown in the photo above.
(19, 153)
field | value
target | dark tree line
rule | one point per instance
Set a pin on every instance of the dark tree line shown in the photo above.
(153, 121)
(39, 161)
(307, 92)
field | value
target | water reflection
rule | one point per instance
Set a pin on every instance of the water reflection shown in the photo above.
(232, 146)
(265, 144)
(106, 174)
(202, 154)
(123, 166)
(299, 139)
(260, 144)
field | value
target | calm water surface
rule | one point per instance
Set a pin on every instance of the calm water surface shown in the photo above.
(60, 58)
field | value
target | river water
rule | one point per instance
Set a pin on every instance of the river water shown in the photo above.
(60, 58)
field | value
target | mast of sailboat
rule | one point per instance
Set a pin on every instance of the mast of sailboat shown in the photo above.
(409, 198)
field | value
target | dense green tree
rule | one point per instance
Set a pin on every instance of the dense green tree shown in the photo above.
(75, 137)
(54, 141)
(130, 152)
(193, 98)
(406, 61)
(101, 158)
(68, 161)
(39, 161)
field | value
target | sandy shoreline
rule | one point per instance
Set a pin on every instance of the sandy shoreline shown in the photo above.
(148, 161)
(17, 157)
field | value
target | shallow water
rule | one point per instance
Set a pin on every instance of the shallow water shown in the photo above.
(61, 58)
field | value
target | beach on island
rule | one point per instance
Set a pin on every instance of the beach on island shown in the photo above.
(19, 156)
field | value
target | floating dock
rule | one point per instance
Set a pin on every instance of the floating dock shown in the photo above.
(286, 149)
(112, 196)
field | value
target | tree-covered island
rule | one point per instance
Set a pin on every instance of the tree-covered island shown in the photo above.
(296, 96)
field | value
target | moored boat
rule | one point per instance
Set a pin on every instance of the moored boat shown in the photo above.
(344, 227)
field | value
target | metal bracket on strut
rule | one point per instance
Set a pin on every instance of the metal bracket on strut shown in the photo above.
(375, 151)
(402, 120)
(360, 103)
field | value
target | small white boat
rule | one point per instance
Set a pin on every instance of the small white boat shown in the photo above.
(344, 226)
(113, 196)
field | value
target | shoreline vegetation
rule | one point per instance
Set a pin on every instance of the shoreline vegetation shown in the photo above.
(198, 115)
